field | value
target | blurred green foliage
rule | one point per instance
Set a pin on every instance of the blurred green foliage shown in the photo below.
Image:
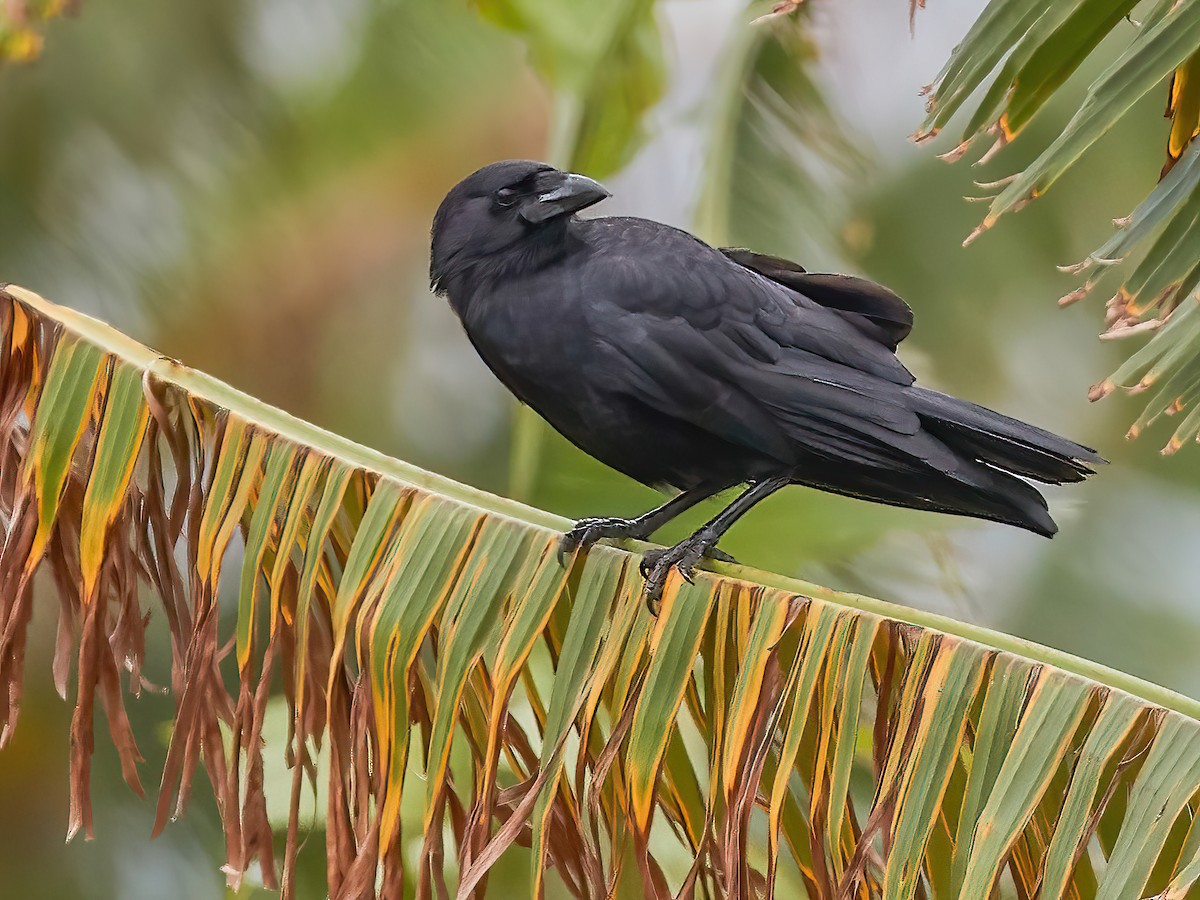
(248, 186)
(604, 63)
(21, 24)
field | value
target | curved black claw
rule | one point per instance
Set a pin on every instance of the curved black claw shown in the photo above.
(587, 531)
(656, 565)
(720, 556)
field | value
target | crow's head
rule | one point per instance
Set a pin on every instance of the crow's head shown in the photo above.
(501, 207)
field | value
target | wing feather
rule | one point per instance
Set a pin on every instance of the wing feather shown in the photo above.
(871, 308)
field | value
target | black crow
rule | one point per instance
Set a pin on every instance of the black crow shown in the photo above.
(697, 368)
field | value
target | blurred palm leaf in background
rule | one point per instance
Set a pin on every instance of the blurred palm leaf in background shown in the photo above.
(777, 156)
(604, 61)
(1024, 52)
(21, 23)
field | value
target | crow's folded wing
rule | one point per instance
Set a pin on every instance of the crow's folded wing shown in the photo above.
(644, 267)
(871, 308)
(799, 404)
(699, 338)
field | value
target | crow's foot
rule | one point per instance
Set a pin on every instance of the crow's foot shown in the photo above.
(651, 557)
(657, 564)
(587, 531)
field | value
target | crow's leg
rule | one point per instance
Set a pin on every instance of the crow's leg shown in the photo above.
(657, 564)
(587, 531)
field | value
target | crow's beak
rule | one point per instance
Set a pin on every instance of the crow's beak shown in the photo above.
(570, 194)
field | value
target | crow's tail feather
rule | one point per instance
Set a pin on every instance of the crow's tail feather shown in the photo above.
(1010, 500)
(1001, 448)
(978, 491)
(1006, 443)
(974, 464)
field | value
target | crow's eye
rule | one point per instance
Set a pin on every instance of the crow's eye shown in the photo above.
(506, 197)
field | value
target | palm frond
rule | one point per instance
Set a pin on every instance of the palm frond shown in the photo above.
(1024, 52)
(774, 145)
(759, 735)
(604, 63)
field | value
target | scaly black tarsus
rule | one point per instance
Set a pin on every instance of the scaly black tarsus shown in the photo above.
(587, 531)
(657, 564)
